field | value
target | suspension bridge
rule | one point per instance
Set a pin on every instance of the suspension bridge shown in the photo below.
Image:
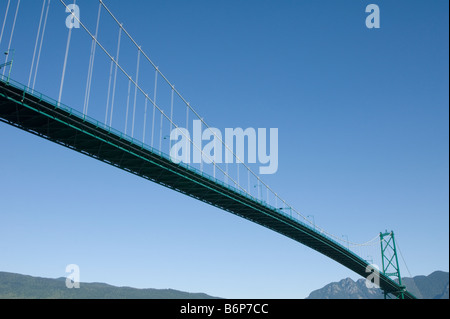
(236, 188)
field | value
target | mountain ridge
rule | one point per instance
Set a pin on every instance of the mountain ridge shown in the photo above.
(18, 286)
(433, 286)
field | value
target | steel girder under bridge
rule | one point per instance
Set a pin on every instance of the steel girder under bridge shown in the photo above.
(33, 112)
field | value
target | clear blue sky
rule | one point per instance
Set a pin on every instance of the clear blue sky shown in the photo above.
(363, 142)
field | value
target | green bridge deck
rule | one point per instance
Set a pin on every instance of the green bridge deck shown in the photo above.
(35, 113)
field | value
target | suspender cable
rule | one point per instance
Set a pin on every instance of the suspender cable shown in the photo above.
(128, 105)
(40, 45)
(145, 117)
(109, 92)
(65, 62)
(87, 93)
(160, 132)
(154, 102)
(260, 195)
(171, 118)
(12, 33)
(201, 161)
(115, 78)
(187, 116)
(4, 21)
(135, 91)
(88, 80)
(237, 165)
(226, 175)
(36, 43)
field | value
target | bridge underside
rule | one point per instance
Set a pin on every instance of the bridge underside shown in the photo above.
(31, 113)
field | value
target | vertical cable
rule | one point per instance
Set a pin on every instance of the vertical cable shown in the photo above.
(135, 91)
(145, 117)
(109, 92)
(4, 21)
(87, 93)
(226, 173)
(12, 33)
(40, 45)
(115, 77)
(187, 120)
(161, 133)
(128, 106)
(65, 64)
(187, 116)
(36, 43)
(154, 103)
(259, 191)
(171, 118)
(237, 165)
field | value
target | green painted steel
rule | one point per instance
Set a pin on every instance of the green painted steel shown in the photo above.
(390, 265)
(40, 115)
